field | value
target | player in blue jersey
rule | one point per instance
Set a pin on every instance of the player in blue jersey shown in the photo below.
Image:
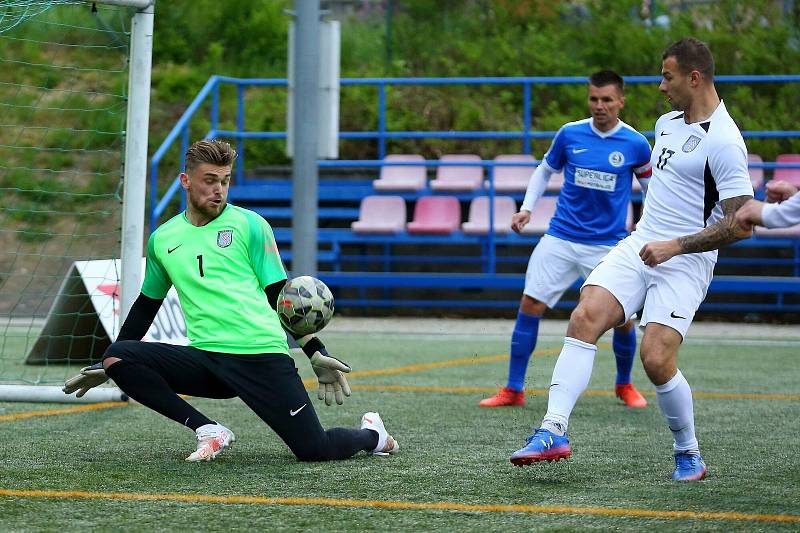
(599, 156)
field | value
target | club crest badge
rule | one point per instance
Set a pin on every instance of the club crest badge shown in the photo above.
(691, 143)
(616, 159)
(224, 238)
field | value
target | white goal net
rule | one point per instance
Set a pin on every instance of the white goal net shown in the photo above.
(64, 84)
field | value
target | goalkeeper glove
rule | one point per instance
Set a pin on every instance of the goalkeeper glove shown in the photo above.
(90, 376)
(329, 370)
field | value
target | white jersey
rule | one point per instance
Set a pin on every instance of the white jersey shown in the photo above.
(782, 215)
(695, 166)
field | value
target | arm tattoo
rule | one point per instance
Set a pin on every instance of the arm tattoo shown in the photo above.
(721, 233)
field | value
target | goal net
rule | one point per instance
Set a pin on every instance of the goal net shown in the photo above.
(63, 105)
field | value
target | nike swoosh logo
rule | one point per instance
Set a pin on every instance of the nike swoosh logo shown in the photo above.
(664, 133)
(579, 150)
(170, 250)
(294, 412)
(673, 315)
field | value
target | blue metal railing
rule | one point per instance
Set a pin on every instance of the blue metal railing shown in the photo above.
(210, 91)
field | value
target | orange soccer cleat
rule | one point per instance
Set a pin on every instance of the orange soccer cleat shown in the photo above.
(630, 396)
(506, 397)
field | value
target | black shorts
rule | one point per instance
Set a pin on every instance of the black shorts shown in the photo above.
(267, 383)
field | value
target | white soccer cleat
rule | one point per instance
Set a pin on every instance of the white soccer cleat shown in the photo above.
(212, 440)
(386, 443)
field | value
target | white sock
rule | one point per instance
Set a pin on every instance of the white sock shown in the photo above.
(570, 378)
(675, 401)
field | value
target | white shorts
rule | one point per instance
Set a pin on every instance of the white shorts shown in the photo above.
(670, 293)
(555, 264)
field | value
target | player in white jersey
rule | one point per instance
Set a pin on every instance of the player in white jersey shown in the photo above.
(599, 157)
(699, 181)
(781, 211)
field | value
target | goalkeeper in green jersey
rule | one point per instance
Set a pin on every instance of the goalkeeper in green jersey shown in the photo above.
(225, 266)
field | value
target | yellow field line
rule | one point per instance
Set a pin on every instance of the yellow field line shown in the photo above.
(312, 383)
(464, 361)
(538, 392)
(62, 411)
(419, 506)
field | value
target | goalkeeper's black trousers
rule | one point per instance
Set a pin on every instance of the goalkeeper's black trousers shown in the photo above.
(154, 374)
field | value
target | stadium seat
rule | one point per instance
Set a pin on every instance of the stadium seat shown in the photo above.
(756, 174)
(458, 178)
(478, 223)
(555, 182)
(440, 215)
(402, 178)
(512, 179)
(381, 214)
(792, 175)
(543, 211)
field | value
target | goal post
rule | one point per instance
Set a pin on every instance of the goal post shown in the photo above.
(74, 111)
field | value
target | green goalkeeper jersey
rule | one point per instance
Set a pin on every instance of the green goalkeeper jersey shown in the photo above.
(219, 271)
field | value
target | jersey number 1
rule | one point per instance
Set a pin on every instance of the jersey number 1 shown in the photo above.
(200, 264)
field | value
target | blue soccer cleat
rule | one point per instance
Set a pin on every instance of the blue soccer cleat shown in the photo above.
(689, 466)
(543, 445)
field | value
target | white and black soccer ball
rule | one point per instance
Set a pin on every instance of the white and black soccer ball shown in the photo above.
(305, 305)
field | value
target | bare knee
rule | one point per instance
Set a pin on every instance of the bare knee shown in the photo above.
(627, 327)
(531, 306)
(597, 312)
(659, 353)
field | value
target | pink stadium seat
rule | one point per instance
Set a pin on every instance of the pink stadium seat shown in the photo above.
(792, 175)
(381, 214)
(756, 174)
(458, 178)
(478, 223)
(555, 182)
(402, 178)
(439, 215)
(512, 179)
(543, 211)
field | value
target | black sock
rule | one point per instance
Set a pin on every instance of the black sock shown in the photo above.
(151, 390)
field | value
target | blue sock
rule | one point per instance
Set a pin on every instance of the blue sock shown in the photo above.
(523, 341)
(624, 345)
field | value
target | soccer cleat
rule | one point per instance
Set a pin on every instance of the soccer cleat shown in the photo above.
(630, 396)
(506, 397)
(689, 466)
(386, 443)
(543, 445)
(212, 440)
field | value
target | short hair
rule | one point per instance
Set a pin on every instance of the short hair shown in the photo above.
(691, 54)
(212, 151)
(607, 77)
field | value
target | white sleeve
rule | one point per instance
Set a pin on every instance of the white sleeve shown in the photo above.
(644, 183)
(728, 166)
(782, 215)
(536, 185)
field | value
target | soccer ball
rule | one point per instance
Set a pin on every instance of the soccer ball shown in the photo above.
(305, 305)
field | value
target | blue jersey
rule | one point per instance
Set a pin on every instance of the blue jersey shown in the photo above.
(598, 174)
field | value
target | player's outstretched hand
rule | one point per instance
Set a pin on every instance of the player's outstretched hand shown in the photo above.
(330, 374)
(520, 220)
(90, 376)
